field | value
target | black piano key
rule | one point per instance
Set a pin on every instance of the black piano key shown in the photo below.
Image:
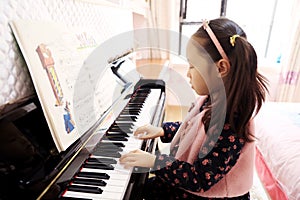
(117, 138)
(125, 112)
(118, 144)
(140, 94)
(98, 166)
(118, 127)
(138, 97)
(116, 134)
(142, 90)
(123, 120)
(131, 111)
(127, 118)
(85, 181)
(135, 113)
(121, 125)
(87, 189)
(107, 154)
(134, 106)
(107, 149)
(136, 102)
(108, 146)
(135, 117)
(102, 160)
(93, 175)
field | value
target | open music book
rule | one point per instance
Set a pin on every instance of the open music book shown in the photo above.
(65, 71)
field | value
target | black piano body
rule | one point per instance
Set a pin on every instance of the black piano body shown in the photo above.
(32, 168)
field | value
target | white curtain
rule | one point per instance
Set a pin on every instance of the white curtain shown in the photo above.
(289, 83)
(162, 15)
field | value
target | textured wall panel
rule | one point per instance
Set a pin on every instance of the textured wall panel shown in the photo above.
(15, 81)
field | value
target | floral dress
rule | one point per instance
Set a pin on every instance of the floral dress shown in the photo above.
(172, 176)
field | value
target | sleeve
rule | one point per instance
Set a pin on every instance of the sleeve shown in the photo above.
(170, 129)
(204, 172)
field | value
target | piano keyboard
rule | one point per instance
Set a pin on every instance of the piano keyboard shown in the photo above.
(101, 176)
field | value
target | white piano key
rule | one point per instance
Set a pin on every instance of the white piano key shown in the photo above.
(120, 176)
(147, 110)
(109, 195)
(108, 188)
(118, 173)
(112, 185)
(117, 183)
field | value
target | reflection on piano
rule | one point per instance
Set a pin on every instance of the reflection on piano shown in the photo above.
(88, 169)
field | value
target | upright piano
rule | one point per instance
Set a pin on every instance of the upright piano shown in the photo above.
(32, 168)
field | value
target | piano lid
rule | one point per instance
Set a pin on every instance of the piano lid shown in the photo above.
(28, 155)
(74, 95)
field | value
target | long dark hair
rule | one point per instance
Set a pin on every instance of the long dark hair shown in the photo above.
(244, 86)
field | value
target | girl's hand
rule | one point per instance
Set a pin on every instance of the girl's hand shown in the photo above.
(138, 158)
(148, 132)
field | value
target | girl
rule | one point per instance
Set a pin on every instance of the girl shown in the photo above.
(212, 152)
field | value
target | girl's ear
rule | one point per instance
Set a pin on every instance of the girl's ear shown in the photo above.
(223, 67)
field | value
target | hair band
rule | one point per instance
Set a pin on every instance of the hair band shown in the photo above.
(232, 39)
(214, 39)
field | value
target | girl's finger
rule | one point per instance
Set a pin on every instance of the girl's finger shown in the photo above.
(142, 135)
(126, 160)
(139, 131)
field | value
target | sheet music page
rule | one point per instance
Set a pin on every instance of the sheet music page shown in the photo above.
(72, 95)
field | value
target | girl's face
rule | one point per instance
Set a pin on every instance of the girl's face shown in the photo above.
(197, 82)
(203, 72)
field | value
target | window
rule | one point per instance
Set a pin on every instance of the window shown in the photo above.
(193, 12)
(265, 22)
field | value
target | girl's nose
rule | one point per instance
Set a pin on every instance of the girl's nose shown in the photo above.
(188, 74)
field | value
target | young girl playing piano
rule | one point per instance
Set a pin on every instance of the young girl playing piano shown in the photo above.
(212, 150)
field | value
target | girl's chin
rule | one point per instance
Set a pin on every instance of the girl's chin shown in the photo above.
(200, 93)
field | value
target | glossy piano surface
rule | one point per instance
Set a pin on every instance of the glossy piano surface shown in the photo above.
(28, 154)
(99, 175)
(32, 168)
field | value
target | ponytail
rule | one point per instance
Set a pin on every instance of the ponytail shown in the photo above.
(245, 87)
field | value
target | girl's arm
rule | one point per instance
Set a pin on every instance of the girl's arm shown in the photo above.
(204, 172)
(170, 129)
